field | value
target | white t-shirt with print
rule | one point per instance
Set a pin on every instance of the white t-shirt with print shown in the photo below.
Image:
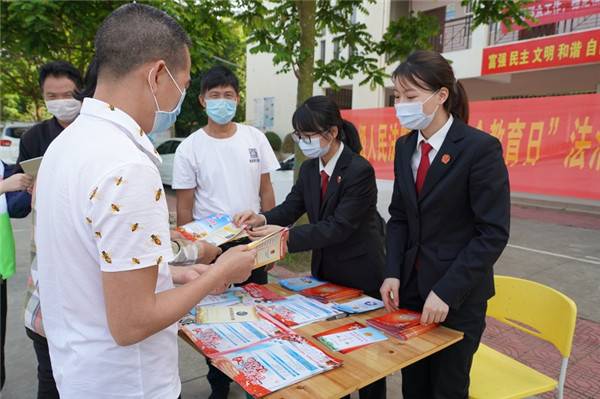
(225, 173)
(101, 208)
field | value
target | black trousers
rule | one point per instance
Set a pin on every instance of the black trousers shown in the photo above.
(219, 382)
(376, 390)
(46, 385)
(444, 375)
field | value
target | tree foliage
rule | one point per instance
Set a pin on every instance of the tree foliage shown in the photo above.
(35, 32)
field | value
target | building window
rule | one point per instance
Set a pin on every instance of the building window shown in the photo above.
(342, 97)
(336, 50)
(323, 49)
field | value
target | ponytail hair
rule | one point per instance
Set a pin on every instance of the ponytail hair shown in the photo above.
(318, 114)
(89, 82)
(430, 71)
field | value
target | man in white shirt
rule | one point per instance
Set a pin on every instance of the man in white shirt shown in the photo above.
(109, 305)
(223, 168)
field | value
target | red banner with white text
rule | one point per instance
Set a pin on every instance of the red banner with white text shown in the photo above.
(551, 145)
(547, 52)
(550, 11)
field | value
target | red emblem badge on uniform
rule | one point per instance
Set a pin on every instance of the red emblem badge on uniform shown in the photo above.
(445, 159)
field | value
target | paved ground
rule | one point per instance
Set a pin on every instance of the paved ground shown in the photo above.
(560, 249)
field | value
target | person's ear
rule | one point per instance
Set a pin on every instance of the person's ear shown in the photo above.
(334, 132)
(202, 101)
(153, 74)
(443, 95)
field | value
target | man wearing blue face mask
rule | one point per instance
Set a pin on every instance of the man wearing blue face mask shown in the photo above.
(223, 168)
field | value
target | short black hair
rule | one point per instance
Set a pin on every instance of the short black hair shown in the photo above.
(219, 76)
(134, 34)
(59, 69)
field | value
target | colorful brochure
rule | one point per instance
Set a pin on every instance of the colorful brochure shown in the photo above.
(268, 366)
(229, 297)
(331, 292)
(300, 283)
(360, 305)
(402, 324)
(212, 339)
(216, 229)
(270, 248)
(258, 291)
(350, 337)
(296, 311)
(226, 314)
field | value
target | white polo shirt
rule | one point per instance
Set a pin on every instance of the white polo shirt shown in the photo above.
(225, 173)
(101, 208)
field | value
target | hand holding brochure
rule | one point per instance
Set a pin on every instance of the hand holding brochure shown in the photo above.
(350, 337)
(216, 229)
(270, 248)
(31, 166)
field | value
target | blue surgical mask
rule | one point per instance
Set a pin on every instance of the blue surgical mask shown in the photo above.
(221, 110)
(165, 119)
(412, 116)
(314, 149)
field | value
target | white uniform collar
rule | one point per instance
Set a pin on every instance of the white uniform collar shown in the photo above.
(330, 167)
(437, 139)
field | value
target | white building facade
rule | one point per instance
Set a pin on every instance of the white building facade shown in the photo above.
(272, 97)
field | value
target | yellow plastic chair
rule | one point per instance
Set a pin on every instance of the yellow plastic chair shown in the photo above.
(537, 310)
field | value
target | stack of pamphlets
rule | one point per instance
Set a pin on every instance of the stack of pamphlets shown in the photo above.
(300, 283)
(350, 337)
(276, 363)
(360, 305)
(261, 292)
(402, 324)
(331, 292)
(297, 310)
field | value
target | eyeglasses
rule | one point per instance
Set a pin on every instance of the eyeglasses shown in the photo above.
(305, 138)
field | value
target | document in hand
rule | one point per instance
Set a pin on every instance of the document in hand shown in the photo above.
(226, 314)
(296, 311)
(268, 366)
(300, 283)
(216, 229)
(402, 324)
(270, 248)
(350, 337)
(31, 166)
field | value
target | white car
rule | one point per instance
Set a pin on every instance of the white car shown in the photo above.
(10, 139)
(166, 149)
(283, 179)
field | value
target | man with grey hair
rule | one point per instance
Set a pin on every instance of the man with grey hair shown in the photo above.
(109, 305)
